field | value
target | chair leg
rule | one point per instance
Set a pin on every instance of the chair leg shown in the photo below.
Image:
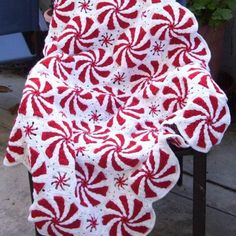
(199, 193)
(180, 159)
(31, 186)
(32, 199)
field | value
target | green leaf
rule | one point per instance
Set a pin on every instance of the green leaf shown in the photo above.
(212, 5)
(231, 4)
(212, 12)
(198, 6)
(222, 14)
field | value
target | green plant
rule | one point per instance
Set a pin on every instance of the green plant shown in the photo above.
(212, 12)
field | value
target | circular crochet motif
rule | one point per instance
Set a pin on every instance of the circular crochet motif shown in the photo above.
(120, 80)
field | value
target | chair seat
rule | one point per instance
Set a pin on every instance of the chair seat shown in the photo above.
(13, 47)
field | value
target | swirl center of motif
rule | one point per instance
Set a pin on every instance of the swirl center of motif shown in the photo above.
(124, 220)
(209, 121)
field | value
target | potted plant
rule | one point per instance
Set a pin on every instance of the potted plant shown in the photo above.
(212, 16)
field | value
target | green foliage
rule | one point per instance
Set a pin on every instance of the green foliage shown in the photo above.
(212, 12)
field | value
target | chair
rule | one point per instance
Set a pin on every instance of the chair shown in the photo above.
(19, 27)
(199, 180)
(199, 184)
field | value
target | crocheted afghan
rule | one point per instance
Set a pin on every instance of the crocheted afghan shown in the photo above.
(119, 82)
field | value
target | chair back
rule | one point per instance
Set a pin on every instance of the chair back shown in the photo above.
(18, 16)
(183, 2)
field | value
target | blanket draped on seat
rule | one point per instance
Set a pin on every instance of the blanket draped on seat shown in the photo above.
(120, 80)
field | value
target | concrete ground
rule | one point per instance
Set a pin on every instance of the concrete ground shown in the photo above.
(174, 212)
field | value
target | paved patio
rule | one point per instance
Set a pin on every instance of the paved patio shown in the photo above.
(174, 212)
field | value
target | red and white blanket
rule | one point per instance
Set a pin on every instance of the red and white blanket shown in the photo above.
(120, 80)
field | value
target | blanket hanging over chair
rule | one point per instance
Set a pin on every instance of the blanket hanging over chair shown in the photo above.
(120, 80)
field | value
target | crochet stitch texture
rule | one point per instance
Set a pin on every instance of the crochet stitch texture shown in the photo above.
(120, 80)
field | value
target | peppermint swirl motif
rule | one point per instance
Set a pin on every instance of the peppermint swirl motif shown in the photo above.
(117, 12)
